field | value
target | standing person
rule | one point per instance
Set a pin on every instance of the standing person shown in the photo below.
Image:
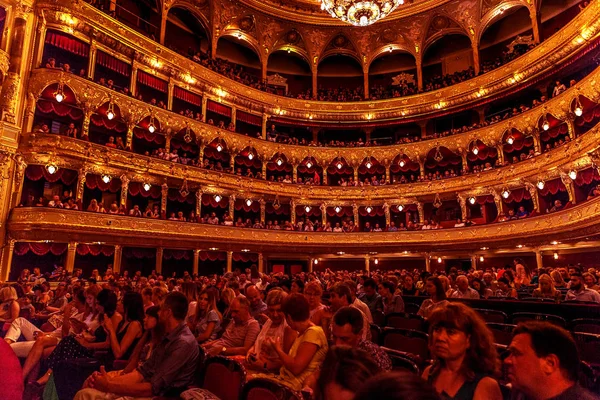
(543, 364)
(465, 359)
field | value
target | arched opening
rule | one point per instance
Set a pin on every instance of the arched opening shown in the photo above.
(107, 126)
(248, 164)
(498, 44)
(404, 170)
(587, 114)
(340, 78)
(57, 112)
(216, 156)
(237, 60)
(553, 132)
(480, 157)
(441, 163)
(181, 205)
(371, 172)
(279, 169)
(392, 74)
(185, 33)
(41, 188)
(309, 172)
(294, 69)
(148, 138)
(517, 146)
(447, 61)
(184, 148)
(340, 173)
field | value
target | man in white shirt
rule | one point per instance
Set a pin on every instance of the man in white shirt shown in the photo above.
(463, 291)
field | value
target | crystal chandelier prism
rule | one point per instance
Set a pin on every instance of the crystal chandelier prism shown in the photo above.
(360, 13)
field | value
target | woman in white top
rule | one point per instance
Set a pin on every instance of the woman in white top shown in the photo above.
(435, 289)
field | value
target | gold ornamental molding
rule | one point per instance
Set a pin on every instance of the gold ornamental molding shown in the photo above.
(4, 63)
(43, 223)
(573, 38)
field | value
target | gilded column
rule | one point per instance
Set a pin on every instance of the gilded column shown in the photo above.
(498, 202)
(19, 177)
(163, 200)
(421, 213)
(40, 42)
(117, 259)
(264, 169)
(422, 167)
(163, 24)
(262, 211)
(168, 140)
(535, 24)
(232, 161)
(229, 261)
(234, 116)
(465, 163)
(534, 197)
(293, 212)
(355, 167)
(500, 150)
(80, 184)
(129, 139)
(367, 263)
(571, 127)
(463, 205)
(196, 262)
(159, 260)
(475, 47)
(133, 82)
(386, 210)
(85, 127)
(204, 103)
(231, 205)
(92, 60)
(263, 131)
(71, 252)
(323, 208)
(366, 83)
(29, 114)
(419, 74)
(124, 189)
(539, 259)
(388, 173)
(200, 152)
(311, 263)
(314, 80)
(294, 173)
(170, 89)
(261, 263)
(355, 214)
(474, 261)
(198, 203)
(427, 262)
(6, 260)
(537, 145)
(568, 182)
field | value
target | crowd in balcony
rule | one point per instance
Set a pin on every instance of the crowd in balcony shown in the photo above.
(287, 332)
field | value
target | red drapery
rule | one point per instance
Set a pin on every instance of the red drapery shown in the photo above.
(314, 211)
(346, 211)
(95, 249)
(448, 158)
(68, 43)
(376, 169)
(209, 200)
(240, 204)
(517, 196)
(552, 187)
(245, 257)
(149, 137)
(137, 188)
(152, 81)
(139, 252)
(587, 176)
(50, 90)
(409, 166)
(284, 209)
(113, 63)
(60, 109)
(484, 153)
(175, 195)
(37, 172)
(554, 132)
(406, 208)
(212, 153)
(248, 118)
(177, 254)
(212, 256)
(375, 212)
(246, 162)
(40, 249)
(95, 181)
(520, 141)
(481, 200)
(186, 96)
(219, 108)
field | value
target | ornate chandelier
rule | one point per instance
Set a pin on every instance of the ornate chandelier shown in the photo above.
(360, 13)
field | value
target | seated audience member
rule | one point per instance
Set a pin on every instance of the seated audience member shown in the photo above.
(261, 357)
(206, 322)
(392, 303)
(9, 307)
(504, 289)
(153, 335)
(370, 296)
(258, 308)
(347, 330)
(240, 334)
(435, 289)
(591, 281)
(343, 372)
(557, 206)
(465, 359)
(313, 292)
(578, 291)
(546, 289)
(169, 370)
(480, 288)
(594, 192)
(463, 291)
(396, 386)
(408, 287)
(341, 296)
(308, 350)
(543, 364)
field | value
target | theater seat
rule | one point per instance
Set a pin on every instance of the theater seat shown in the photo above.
(411, 308)
(407, 340)
(503, 333)
(585, 325)
(405, 321)
(492, 315)
(378, 317)
(526, 316)
(589, 347)
(223, 377)
(375, 334)
(265, 389)
(403, 361)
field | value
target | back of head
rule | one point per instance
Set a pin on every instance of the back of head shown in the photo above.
(546, 339)
(346, 367)
(177, 303)
(133, 304)
(370, 283)
(108, 300)
(396, 386)
(296, 307)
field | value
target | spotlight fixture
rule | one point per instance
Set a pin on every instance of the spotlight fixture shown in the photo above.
(390, 49)
(475, 150)
(368, 164)
(339, 165)
(439, 260)
(151, 127)
(545, 124)
(481, 259)
(147, 186)
(106, 178)
(309, 164)
(573, 174)
(337, 209)
(400, 207)
(376, 261)
(219, 147)
(316, 261)
(250, 156)
(217, 198)
(59, 95)
(110, 113)
(51, 168)
(245, 250)
(369, 209)
(472, 200)
(510, 140)
(402, 163)
(578, 108)
(307, 208)
(340, 253)
(485, 248)
(248, 202)
(555, 255)
(289, 50)
(279, 162)
(213, 248)
(540, 184)
(505, 193)
(519, 246)
(554, 242)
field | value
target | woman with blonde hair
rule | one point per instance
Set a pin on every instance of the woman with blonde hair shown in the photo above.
(206, 323)
(465, 359)
(158, 295)
(93, 207)
(227, 297)
(260, 356)
(190, 291)
(9, 307)
(559, 282)
(546, 289)
(313, 292)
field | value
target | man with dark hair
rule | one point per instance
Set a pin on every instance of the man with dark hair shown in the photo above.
(347, 330)
(578, 291)
(240, 334)
(258, 308)
(543, 363)
(341, 296)
(370, 296)
(169, 370)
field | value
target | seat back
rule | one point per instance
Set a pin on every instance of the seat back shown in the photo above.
(586, 325)
(526, 316)
(224, 378)
(407, 340)
(492, 315)
(378, 317)
(405, 321)
(375, 334)
(589, 347)
(403, 361)
(411, 308)
(266, 389)
(587, 377)
(503, 333)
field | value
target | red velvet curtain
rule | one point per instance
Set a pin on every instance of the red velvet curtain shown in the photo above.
(212, 256)
(240, 204)
(137, 188)
(37, 172)
(481, 200)
(50, 90)
(175, 195)
(314, 211)
(517, 195)
(177, 254)
(248, 118)
(40, 249)
(149, 137)
(113, 63)
(246, 162)
(152, 81)
(448, 158)
(552, 187)
(284, 209)
(139, 252)
(186, 96)
(589, 114)
(406, 208)
(60, 109)
(484, 153)
(376, 211)
(554, 132)
(245, 257)
(587, 176)
(209, 200)
(114, 125)
(346, 211)
(68, 43)
(95, 181)
(95, 249)
(219, 108)
(213, 154)
(284, 167)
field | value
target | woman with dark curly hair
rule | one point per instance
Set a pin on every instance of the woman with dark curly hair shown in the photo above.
(465, 359)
